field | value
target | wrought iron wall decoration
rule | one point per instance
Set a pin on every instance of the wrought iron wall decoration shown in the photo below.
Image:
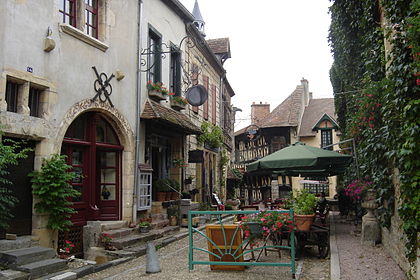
(102, 87)
(162, 49)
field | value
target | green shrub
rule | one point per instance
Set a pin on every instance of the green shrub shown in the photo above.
(51, 185)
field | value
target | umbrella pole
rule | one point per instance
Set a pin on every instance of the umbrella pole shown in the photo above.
(291, 184)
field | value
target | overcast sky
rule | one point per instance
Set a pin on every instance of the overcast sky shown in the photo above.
(274, 43)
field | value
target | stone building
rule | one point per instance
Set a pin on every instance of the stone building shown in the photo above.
(68, 85)
(298, 118)
(170, 129)
(75, 81)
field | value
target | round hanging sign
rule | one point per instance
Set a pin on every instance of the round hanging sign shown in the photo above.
(252, 132)
(197, 95)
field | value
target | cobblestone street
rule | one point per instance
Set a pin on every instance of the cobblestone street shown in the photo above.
(174, 264)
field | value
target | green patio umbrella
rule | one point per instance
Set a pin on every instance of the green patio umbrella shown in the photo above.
(300, 159)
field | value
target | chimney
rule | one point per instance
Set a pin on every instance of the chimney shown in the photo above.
(259, 112)
(306, 95)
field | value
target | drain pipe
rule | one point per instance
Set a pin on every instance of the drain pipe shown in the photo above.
(138, 103)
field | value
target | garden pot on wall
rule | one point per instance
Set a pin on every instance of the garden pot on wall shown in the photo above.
(174, 196)
(161, 196)
(304, 222)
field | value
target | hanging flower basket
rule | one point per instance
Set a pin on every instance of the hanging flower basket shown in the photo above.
(178, 103)
(157, 91)
(157, 95)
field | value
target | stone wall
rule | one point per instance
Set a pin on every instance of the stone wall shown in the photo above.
(394, 239)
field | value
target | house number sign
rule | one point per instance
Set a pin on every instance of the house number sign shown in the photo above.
(102, 87)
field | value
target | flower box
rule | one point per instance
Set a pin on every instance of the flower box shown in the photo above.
(157, 95)
(176, 105)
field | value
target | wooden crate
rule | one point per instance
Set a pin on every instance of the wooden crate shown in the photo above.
(215, 233)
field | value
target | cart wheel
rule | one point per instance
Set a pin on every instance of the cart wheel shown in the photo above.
(323, 245)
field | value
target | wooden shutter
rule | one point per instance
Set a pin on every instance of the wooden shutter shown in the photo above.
(206, 104)
(213, 104)
(194, 81)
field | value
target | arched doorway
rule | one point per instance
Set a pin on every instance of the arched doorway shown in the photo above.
(94, 151)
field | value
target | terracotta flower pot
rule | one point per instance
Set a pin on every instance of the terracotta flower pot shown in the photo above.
(174, 196)
(161, 196)
(304, 222)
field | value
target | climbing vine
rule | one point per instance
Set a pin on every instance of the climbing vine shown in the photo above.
(377, 98)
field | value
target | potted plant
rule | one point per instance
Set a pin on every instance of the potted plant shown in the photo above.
(304, 204)
(211, 137)
(162, 188)
(261, 224)
(144, 227)
(106, 240)
(175, 189)
(173, 214)
(65, 251)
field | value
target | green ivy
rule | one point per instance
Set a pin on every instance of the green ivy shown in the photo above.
(52, 188)
(377, 99)
(211, 134)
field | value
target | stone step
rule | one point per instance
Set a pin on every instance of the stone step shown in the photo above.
(160, 216)
(158, 224)
(23, 256)
(121, 232)
(10, 274)
(137, 239)
(21, 242)
(44, 267)
(110, 225)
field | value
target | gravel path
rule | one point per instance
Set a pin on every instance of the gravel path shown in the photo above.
(363, 262)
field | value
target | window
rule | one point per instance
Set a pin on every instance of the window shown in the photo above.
(91, 18)
(154, 56)
(175, 72)
(317, 185)
(326, 138)
(144, 191)
(67, 10)
(34, 102)
(12, 91)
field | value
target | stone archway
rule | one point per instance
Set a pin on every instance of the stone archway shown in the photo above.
(126, 137)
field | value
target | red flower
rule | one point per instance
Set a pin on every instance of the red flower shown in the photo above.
(418, 82)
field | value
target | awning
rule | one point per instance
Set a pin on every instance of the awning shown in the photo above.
(300, 159)
(155, 111)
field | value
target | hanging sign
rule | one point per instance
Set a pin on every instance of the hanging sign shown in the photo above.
(252, 132)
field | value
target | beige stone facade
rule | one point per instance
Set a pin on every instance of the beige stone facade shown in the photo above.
(40, 51)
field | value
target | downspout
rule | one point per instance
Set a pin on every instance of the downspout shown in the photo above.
(221, 120)
(137, 116)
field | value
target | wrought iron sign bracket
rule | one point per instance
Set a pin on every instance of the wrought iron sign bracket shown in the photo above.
(162, 49)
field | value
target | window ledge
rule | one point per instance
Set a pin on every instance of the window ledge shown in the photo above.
(68, 29)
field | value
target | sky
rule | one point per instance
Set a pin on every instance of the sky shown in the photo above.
(274, 44)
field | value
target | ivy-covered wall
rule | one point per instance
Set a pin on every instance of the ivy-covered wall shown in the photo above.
(376, 80)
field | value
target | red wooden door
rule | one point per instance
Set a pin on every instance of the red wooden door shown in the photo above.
(107, 183)
(93, 151)
(78, 159)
